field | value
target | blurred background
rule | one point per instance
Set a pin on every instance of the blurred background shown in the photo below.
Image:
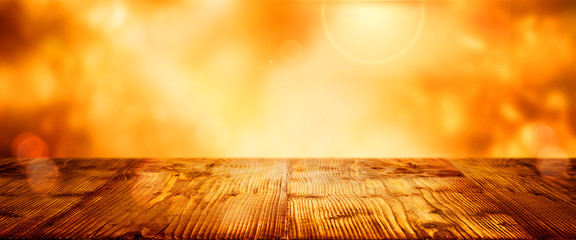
(290, 78)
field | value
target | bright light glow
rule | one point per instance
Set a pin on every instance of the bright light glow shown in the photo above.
(365, 27)
(228, 78)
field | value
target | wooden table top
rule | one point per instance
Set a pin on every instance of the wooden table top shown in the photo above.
(288, 198)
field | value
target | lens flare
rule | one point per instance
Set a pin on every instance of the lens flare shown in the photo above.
(539, 137)
(291, 52)
(29, 145)
(364, 16)
(43, 174)
(553, 162)
(151, 186)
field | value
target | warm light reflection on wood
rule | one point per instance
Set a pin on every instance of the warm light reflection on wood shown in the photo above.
(289, 198)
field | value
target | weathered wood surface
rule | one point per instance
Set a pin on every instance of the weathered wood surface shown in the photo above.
(288, 198)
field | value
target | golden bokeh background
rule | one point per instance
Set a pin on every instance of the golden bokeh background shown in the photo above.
(290, 78)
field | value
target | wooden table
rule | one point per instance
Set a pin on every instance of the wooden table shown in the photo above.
(288, 198)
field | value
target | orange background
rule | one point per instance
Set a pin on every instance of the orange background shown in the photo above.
(234, 78)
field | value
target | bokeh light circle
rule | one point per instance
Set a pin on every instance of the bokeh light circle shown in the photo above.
(384, 60)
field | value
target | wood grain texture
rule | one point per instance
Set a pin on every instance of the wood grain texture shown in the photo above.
(542, 204)
(391, 198)
(132, 198)
(288, 198)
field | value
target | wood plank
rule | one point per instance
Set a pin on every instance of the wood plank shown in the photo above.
(288, 198)
(30, 207)
(176, 198)
(543, 205)
(391, 198)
